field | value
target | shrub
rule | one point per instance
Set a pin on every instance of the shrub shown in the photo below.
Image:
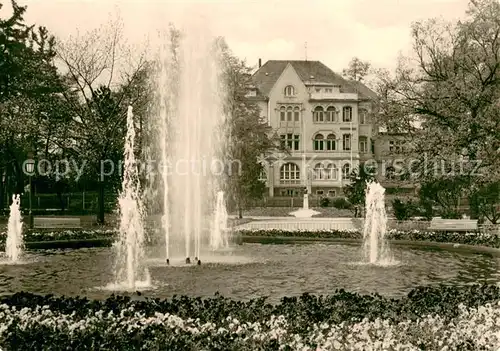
(403, 211)
(324, 202)
(341, 203)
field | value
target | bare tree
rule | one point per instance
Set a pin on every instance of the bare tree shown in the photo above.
(106, 75)
(452, 86)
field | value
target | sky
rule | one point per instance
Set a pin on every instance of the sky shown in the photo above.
(335, 30)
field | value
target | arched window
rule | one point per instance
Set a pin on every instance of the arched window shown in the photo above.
(289, 90)
(296, 114)
(289, 171)
(319, 142)
(329, 171)
(346, 171)
(332, 171)
(330, 142)
(363, 144)
(325, 172)
(318, 114)
(318, 172)
(347, 114)
(363, 116)
(346, 141)
(289, 113)
(331, 114)
(282, 114)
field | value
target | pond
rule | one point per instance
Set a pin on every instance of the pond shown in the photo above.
(254, 270)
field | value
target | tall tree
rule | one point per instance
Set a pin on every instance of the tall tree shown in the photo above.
(355, 191)
(485, 202)
(30, 94)
(249, 135)
(452, 89)
(105, 74)
(357, 70)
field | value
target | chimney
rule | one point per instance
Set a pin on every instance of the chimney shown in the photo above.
(260, 63)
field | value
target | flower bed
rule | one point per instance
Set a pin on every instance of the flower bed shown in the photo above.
(483, 239)
(444, 318)
(104, 237)
(33, 235)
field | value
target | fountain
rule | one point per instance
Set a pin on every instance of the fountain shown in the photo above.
(219, 234)
(14, 243)
(376, 248)
(130, 271)
(305, 211)
(189, 125)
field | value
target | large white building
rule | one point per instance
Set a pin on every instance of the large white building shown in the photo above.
(323, 120)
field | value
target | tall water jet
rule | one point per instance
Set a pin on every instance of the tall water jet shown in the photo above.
(190, 119)
(166, 98)
(14, 243)
(130, 270)
(219, 236)
(376, 247)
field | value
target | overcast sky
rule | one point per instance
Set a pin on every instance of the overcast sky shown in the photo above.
(335, 30)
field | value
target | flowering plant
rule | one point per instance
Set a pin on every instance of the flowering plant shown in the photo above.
(483, 239)
(413, 323)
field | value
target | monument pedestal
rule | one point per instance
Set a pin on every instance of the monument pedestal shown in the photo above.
(305, 212)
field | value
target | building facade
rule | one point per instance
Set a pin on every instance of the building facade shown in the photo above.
(321, 118)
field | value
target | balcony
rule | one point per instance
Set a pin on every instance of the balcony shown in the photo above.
(333, 96)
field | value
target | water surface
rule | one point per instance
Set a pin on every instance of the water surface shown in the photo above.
(253, 270)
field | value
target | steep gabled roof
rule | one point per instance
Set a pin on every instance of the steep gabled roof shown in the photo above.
(363, 90)
(267, 75)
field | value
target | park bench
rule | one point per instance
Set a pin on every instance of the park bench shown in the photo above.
(453, 225)
(57, 222)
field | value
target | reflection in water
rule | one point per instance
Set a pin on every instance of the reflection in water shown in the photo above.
(273, 270)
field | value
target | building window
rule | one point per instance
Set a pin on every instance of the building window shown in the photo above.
(289, 113)
(390, 173)
(290, 141)
(318, 172)
(332, 193)
(318, 90)
(328, 172)
(396, 146)
(363, 144)
(282, 114)
(328, 90)
(289, 90)
(319, 192)
(363, 116)
(263, 175)
(319, 142)
(318, 114)
(346, 142)
(331, 114)
(346, 171)
(330, 142)
(331, 171)
(296, 114)
(347, 114)
(289, 171)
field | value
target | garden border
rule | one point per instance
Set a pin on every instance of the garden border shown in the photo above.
(98, 238)
(455, 247)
